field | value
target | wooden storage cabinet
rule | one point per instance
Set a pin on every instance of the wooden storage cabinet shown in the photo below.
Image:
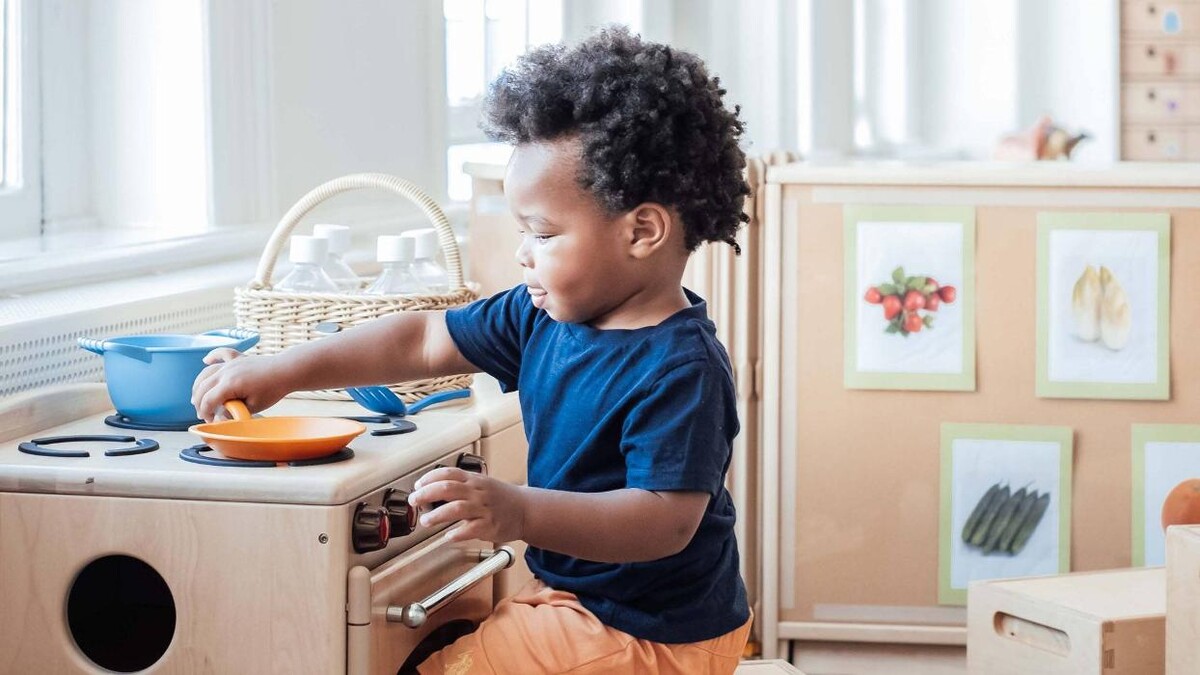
(1111, 623)
(1160, 80)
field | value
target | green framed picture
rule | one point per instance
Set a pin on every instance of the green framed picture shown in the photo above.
(909, 288)
(1103, 317)
(1005, 504)
(1164, 455)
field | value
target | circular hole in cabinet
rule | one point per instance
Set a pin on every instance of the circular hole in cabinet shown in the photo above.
(442, 636)
(121, 613)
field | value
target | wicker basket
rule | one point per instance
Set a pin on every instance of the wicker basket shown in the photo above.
(283, 319)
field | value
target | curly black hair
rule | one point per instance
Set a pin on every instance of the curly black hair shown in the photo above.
(650, 120)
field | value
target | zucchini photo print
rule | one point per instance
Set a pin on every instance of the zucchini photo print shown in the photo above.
(1005, 504)
(909, 297)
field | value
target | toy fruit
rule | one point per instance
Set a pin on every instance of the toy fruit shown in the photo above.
(1182, 505)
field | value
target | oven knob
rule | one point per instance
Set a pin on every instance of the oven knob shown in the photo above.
(402, 517)
(472, 463)
(370, 529)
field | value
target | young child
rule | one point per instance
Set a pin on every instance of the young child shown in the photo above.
(625, 161)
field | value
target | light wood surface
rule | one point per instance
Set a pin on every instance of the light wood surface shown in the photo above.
(378, 646)
(492, 232)
(844, 658)
(1183, 600)
(263, 597)
(34, 411)
(989, 174)
(1100, 622)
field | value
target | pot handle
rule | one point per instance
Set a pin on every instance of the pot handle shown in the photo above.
(102, 346)
(245, 338)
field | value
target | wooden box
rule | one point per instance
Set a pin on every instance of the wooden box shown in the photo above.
(1111, 622)
(1183, 600)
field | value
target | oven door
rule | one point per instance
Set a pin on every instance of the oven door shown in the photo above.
(418, 601)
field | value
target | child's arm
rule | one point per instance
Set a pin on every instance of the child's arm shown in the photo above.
(619, 526)
(394, 348)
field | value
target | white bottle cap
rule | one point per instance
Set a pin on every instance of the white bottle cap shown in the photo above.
(338, 236)
(394, 248)
(307, 249)
(426, 242)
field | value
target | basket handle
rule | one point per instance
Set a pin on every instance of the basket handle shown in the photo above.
(359, 181)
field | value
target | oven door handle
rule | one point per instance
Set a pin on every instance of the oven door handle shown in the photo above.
(414, 615)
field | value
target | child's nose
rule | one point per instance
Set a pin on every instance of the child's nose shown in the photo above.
(523, 257)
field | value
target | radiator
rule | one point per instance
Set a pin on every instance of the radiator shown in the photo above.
(42, 351)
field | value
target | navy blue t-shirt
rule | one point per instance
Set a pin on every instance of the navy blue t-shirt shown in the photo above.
(650, 408)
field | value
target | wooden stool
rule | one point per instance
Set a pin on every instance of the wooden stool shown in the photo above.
(1111, 622)
(772, 667)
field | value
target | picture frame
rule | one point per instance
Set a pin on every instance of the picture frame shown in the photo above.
(909, 297)
(1005, 504)
(1163, 455)
(1103, 305)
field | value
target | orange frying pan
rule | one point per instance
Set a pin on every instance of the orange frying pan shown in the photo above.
(276, 439)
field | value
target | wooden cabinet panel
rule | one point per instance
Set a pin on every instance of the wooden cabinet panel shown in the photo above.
(1160, 102)
(1160, 143)
(1160, 58)
(1176, 20)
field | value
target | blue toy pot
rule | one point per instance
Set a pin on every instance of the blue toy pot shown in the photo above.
(150, 376)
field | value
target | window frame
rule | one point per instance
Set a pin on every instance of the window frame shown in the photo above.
(21, 202)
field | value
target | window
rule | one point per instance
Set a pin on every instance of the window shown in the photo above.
(482, 38)
(20, 187)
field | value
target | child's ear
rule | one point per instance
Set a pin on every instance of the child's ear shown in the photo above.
(650, 227)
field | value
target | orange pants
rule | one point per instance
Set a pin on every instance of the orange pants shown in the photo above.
(540, 631)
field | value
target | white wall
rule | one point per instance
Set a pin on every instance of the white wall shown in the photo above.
(356, 87)
(145, 66)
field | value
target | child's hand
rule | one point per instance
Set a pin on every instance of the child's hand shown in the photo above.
(488, 509)
(230, 376)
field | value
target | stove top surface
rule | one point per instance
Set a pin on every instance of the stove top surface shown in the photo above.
(126, 465)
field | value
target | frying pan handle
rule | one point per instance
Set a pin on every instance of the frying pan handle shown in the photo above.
(238, 409)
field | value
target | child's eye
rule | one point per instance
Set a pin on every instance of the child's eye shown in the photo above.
(541, 238)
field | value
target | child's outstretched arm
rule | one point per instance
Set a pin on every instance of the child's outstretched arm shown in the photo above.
(394, 348)
(618, 526)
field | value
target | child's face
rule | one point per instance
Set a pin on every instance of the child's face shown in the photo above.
(575, 256)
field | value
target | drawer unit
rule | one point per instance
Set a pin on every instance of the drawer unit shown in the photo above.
(1179, 20)
(1110, 623)
(1160, 58)
(1160, 102)
(1161, 144)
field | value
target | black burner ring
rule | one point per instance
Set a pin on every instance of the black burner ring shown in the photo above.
(37, 446)
(123, 422)
(193, 455)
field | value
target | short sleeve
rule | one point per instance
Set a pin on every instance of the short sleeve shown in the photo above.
(491, 333)
(679, 436)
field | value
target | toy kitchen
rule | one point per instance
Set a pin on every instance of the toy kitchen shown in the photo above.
(129, 549)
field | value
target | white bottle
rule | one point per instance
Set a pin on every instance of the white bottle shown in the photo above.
(396, 254)
(335, 264)
(307, 254)
(425, 267)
